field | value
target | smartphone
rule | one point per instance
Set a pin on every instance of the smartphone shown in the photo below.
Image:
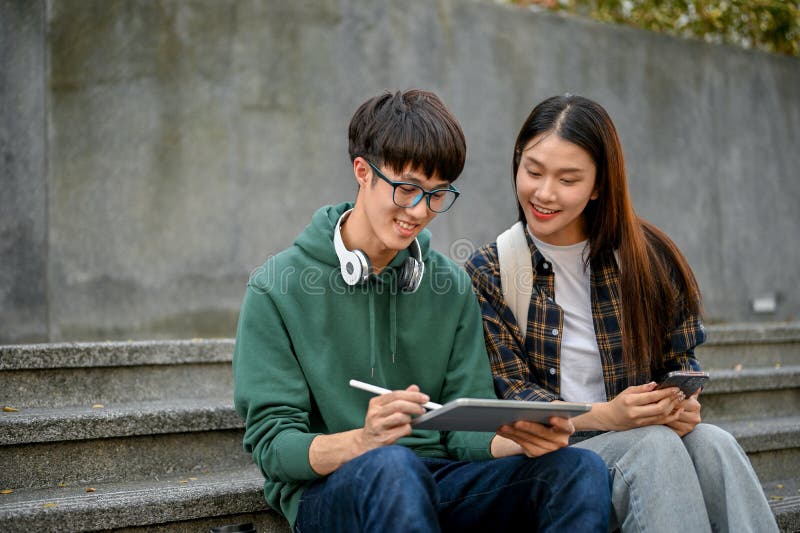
(689, 381)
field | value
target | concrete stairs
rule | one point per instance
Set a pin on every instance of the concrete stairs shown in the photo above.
(124, 436)
(754, 393)
(136, 436)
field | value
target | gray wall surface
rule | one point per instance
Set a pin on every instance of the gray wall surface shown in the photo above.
(155, 152)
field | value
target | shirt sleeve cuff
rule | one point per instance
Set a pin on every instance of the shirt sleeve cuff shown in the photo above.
(291, 452)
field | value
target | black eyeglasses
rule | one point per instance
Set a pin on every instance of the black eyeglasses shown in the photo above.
(406, 194)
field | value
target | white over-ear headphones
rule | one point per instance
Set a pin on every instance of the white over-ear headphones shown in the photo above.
(356, 268)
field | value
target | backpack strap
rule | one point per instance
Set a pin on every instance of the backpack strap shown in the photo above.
(516, 273)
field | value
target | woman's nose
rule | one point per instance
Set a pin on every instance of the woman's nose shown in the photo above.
(545, 191)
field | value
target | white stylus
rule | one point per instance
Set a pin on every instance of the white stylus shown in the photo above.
(374, 389)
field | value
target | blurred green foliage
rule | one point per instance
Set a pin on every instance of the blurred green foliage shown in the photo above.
(770, 25)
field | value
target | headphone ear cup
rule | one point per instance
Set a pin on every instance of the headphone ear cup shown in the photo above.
(410, 275)
(355, 267)
(366, 266)
(413, 269)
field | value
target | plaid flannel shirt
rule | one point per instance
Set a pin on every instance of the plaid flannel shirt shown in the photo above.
(531, 371)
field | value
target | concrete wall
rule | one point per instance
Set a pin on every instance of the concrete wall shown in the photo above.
(155, 152)
(23, 173)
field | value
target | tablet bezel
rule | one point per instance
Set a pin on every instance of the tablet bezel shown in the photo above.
(479, 414)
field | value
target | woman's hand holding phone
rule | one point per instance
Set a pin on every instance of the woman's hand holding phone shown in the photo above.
(688, 417)
(637, 406)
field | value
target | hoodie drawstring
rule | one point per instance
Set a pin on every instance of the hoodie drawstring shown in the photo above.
(393, 322)
(372, 342)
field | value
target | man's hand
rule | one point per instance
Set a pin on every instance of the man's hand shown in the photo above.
(389, 417)
(688, 415)
(531, 438)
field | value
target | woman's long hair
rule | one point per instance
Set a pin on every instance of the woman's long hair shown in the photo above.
(656, 283)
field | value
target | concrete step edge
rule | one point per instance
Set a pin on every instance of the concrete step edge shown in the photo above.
(177, 499)
(784, 500)
(118, 505)
(787, 513)
(130, 353)
(756, 332)
(750, 379)
(120, 420)
(764, 434)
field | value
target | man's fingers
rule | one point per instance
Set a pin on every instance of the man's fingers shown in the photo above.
(563, 425)
(394, 420)
(397, 406)
(539, 433)
(405, 395)
(529, 441)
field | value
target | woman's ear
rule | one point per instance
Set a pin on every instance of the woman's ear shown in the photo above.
(595, 195)
(361, 170)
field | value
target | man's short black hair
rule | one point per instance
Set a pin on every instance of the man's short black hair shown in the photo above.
(409, 129)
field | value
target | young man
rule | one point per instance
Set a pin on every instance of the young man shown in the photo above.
(361, 296)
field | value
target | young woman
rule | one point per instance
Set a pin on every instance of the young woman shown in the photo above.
(611, 306)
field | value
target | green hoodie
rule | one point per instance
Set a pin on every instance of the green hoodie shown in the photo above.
(303, 334)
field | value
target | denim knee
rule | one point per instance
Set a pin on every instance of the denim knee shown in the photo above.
(386, 489)
(585, 461)
(660, 441)
(707, 441)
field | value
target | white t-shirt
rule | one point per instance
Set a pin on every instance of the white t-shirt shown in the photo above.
(581, 372)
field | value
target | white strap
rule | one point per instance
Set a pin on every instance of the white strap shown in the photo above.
(516, 273)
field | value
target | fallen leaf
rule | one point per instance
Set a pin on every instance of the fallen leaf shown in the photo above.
(776, 498)
(62, 485)
(183, 481)
(779, 485)
(9, 409)
(6, 491)
(91, 489)
(777, 365)
(737, 367)
(49, 505)
(192, 479)
(98, 406)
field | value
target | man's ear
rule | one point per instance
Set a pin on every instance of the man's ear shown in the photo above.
(361, 170)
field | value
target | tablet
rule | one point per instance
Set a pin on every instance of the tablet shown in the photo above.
(476, 414)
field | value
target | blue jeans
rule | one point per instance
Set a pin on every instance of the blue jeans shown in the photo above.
(391, 489)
